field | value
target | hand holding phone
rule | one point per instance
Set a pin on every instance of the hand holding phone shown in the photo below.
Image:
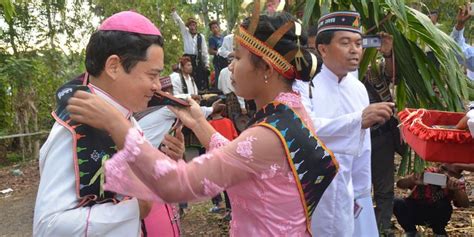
(435, 179)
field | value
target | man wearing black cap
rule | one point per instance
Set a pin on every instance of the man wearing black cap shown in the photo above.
(339, 107)
(195, 47)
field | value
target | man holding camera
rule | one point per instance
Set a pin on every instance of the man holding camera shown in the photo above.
(385, 138)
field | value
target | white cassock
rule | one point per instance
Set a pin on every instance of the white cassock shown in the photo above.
(336, 110)
(55, 214)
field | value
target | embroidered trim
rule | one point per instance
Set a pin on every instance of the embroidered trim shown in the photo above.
(290, 99)
(244, 148)
(217, 141)
(163, 167)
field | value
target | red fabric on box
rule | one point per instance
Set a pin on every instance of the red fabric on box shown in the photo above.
(437, 144)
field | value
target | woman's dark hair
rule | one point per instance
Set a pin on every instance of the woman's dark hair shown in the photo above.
(288, 42)
(130, 47)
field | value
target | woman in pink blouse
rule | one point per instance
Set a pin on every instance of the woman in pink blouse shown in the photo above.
(275, 172)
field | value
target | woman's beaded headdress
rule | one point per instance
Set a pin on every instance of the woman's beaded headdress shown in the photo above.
(281, 63)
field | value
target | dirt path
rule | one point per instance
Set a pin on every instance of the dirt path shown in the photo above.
(16, 208)
(17, 214)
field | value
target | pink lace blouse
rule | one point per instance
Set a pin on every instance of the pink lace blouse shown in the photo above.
(252, 168)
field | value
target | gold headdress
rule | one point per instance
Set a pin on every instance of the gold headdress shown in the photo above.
(265, 49)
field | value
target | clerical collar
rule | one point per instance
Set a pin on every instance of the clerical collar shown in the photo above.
(104, 95)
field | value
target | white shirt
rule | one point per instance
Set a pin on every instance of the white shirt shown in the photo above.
(190, 41)
(178, 85)
(227, 46)
(467, 50)
(225, 85)
(54, 214)
(336, 110)
(157, 123)
(470, 75)
(470, 122)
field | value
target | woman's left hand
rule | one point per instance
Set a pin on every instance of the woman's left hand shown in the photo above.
(90, 109)
(190, 116)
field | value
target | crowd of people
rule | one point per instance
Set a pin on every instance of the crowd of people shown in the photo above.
(314, 157)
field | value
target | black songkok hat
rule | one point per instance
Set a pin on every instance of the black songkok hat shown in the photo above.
(343, 20)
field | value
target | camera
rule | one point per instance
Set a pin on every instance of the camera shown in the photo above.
(371, 41)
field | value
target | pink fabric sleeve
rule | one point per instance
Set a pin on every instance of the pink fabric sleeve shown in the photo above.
(141, 171)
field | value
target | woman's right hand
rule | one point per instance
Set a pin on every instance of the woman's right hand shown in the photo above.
(92, 110)
(190, 116)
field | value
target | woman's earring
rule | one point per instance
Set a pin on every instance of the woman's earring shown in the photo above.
(266, 79)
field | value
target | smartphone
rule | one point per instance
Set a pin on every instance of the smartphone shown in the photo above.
(163, 98)
(371, 41)
(435, 179)
(471, 11)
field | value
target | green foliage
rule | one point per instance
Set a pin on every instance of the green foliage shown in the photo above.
(421, 84)
(159, 12)
(41, 50)
(8, 9)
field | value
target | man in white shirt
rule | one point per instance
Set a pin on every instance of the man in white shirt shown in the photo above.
(183, 82)
(464, 14)
(225, 85)
(340, 111)
(227, 48)
(71, 200)
(195, 47)
(470, 121)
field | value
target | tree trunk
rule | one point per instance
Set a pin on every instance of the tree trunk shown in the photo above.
(11, 34)
(52, 30)
(36, 143)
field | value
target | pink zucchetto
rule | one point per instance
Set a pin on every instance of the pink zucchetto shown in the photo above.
(129, 21)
